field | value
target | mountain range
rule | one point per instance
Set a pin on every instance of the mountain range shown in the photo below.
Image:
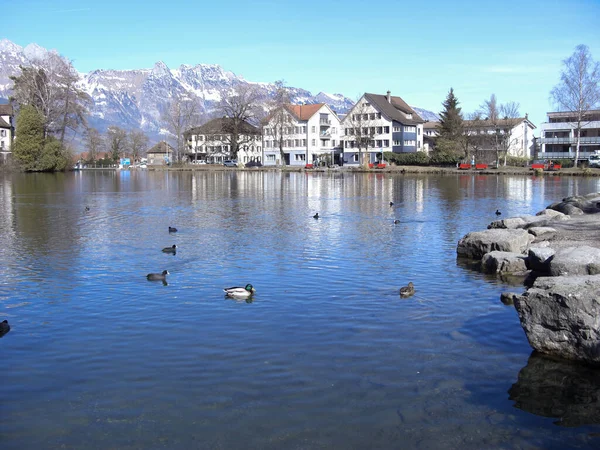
(134, 98)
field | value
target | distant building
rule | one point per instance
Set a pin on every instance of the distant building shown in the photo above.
(387, 122)
(430, 132)
(212, 142)
(518, 133)
(310, 134)
(7, 131)
(160, 155)
(558, 136)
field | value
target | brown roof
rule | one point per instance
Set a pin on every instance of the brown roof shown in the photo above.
(304, 112)
(161, 147)
(431, 125)
(222, 125)
(3, 123)
(396, 109)
(6, 110)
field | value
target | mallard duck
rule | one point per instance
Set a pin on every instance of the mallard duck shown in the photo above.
(498, 213)
(172, 230)
(407, 291)
(239, 292)
(172, 249)
(4, 327)
(316, 216)
(396, 221)
(157, 276)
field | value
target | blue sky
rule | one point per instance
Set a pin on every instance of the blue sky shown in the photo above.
(418, 50)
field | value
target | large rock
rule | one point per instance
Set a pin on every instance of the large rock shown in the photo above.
(542, 232)
(561, 317)
(478, 243)
(538, 259)
(577, 205)
(503, 262)
(583, 260)
(549, 212)
(511, 223)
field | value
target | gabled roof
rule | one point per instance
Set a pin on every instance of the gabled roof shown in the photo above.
(431, 125)
(161, 147)
(222, 125)
(3, 123)
(304, 112)
(395, 109)
(6, 110)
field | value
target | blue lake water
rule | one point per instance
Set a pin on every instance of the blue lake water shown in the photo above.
(325, 355)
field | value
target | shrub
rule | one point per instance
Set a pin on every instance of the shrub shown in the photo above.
(408, 159)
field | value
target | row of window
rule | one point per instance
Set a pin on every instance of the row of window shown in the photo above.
(407, 129)
(300, 130)
(222, 148)
(384, 143)
(366, 131)
(218, 137)
(366, 116)
(290, 143)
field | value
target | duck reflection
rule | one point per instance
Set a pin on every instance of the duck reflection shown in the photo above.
(558, 389)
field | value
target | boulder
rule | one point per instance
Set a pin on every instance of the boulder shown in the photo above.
(542, 232)
(503, 262)
(510, 223)
(577, 205)
(478, 243)
(549, 212)
(538, 259)
(583, 260)
(508, 298)
(560, 317)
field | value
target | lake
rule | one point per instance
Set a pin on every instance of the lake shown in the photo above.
(324, 355)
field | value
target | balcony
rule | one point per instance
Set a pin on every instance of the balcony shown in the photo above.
(325, 134)
(571, 140)
(325, 122)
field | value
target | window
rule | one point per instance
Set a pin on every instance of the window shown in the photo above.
(2, 133)
(386, 130)
(365, 117)
(303, 142)
(312, 129)
(312, 143)
(333, 142)
(409, 129)
(372, 116)
(379, 130)
(300, 157)
(396, 128)
(355, 157)
(386, 143)
(270, 157)
(419, 131)
(296, 142)
(379, 115)
(419, 144)
(396, 142)
(409, 143)
(333, 130)
(378, 143)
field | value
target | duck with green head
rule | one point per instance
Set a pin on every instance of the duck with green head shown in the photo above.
(240, 292)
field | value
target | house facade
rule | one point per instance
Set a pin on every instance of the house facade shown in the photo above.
(558, 136)
(7, 131)
(213, 142)
(310, 134)
(515, 134)
(160, 155)
(377, 124)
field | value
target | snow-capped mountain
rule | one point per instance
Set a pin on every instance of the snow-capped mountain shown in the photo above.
(135, 98)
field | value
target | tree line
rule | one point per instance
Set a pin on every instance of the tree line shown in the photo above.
(50, 105)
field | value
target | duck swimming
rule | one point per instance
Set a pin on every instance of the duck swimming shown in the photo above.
(157, 276)
(316, 216)
(172, 230)
(4, 327)
(407, 291)
(396, 221)
(240, 292)
(498, 213)
(391, 203)
(172, 249)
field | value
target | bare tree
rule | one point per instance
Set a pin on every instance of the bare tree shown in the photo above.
(510, 119)
(93, 142)
(138, 144)
(499, 121)
(280, 117)
(238, 109)
(578, 90)
(179, 115)
(50, 85)
(360, 129)
(116, 141)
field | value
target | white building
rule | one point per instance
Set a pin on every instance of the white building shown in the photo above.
(384, 124)
(518, 133)
(310, 134)
(558, 136)
(213, 142)
(6, 131)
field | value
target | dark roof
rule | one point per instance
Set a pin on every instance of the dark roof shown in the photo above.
(3, 123)
(6, 110)
(501, 123)
(396, 109)
(161, 147)
(222, 125)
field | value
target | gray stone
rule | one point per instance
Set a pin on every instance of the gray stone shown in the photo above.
(503, 262)
(538, 259)
(583, 260)
(542, 232)
(508, 298)
(478, 243)
(560, 317)
(510, 223)
(549, 212)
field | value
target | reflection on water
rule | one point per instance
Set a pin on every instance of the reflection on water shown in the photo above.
(325, 356)
(558, 389)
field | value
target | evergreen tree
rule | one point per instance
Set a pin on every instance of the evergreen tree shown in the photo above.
(33, 151)
(451, 127)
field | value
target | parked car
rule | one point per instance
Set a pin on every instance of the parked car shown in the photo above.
(594, 160)
(198, 161)
(230, 163)
(253, 164)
